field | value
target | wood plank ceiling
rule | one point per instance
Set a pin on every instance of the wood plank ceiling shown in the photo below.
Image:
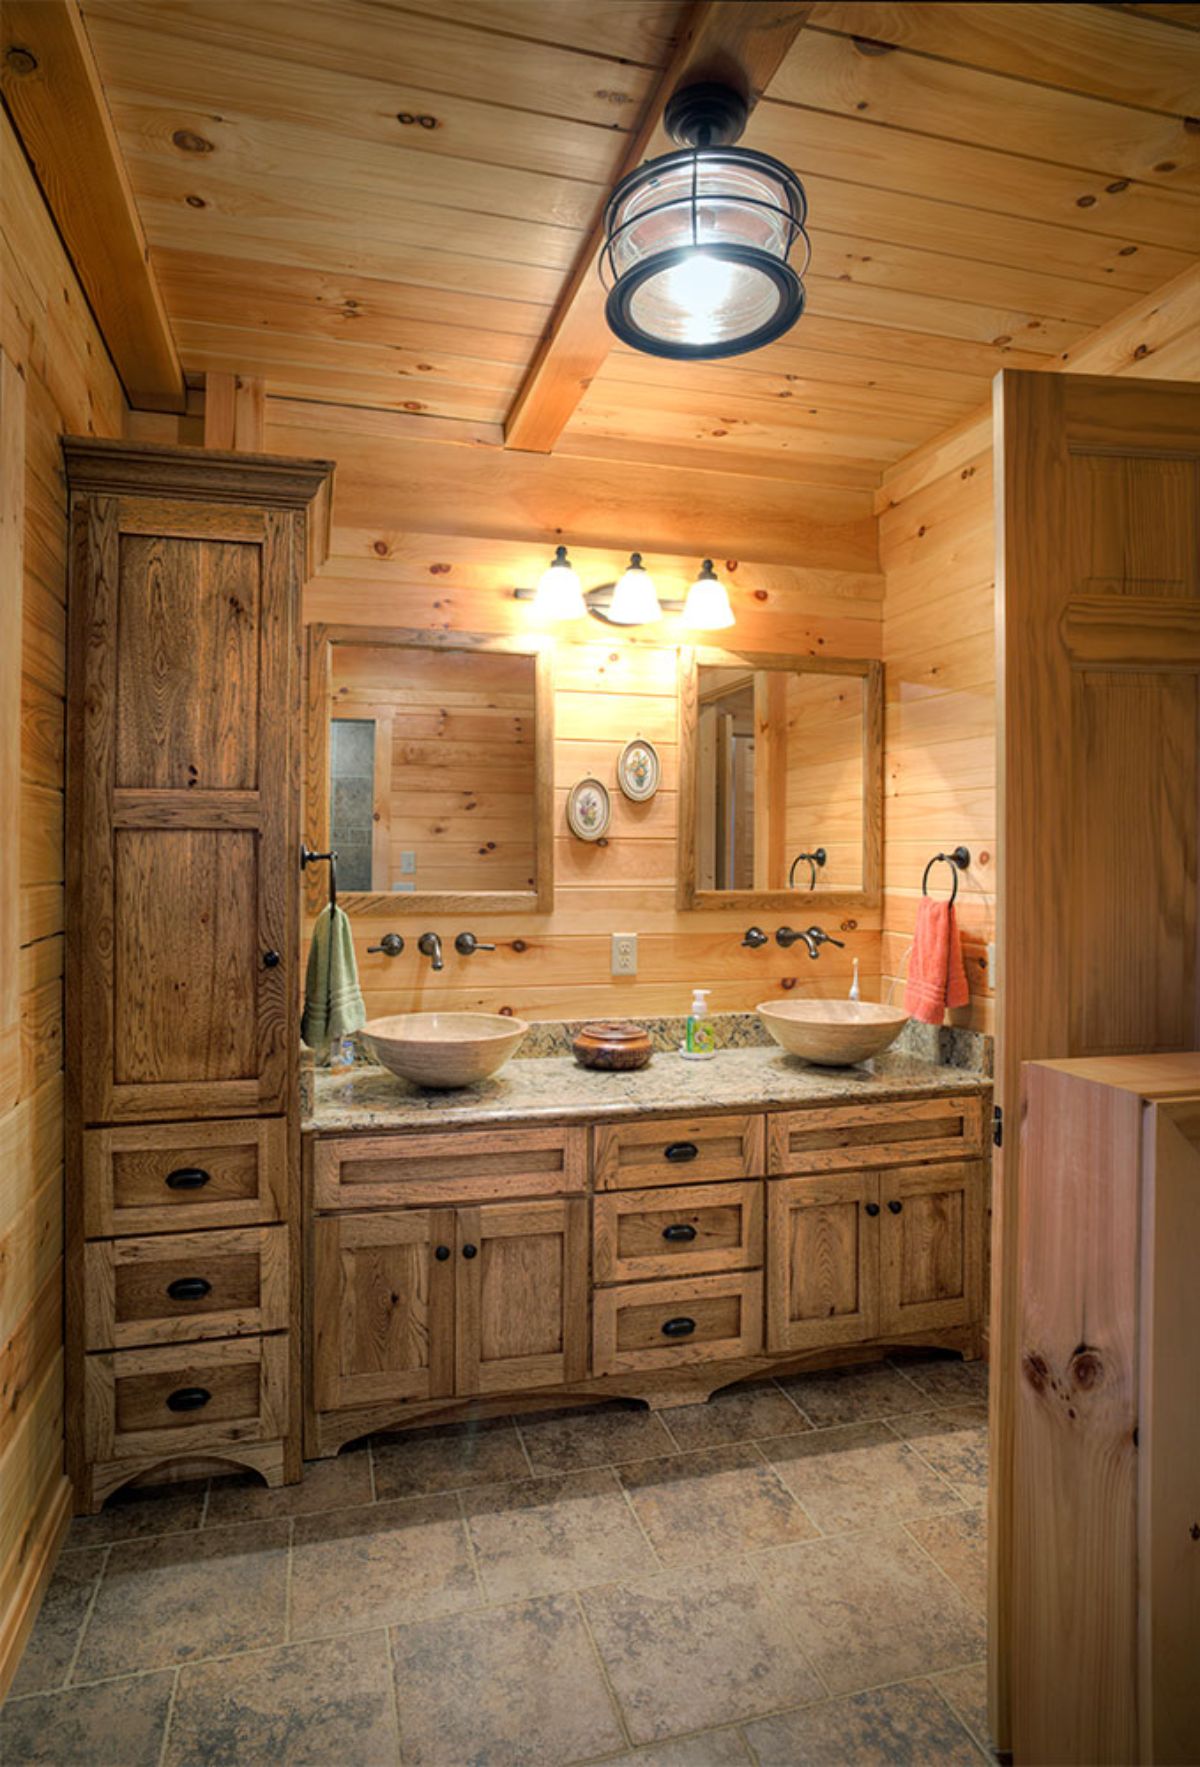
(378, 204)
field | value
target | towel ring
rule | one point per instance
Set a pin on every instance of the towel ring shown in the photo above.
(958, 861)
(308, 857)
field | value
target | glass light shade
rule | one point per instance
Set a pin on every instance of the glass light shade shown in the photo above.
(559, 592)
(707, 606)
(635, 600)
(696, 253)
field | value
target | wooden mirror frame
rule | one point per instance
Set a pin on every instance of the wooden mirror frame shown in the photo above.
(540, 899)
(688, 895)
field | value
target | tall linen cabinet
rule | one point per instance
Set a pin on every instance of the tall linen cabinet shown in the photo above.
(184, 738)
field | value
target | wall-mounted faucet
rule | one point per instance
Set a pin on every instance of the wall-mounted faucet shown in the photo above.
(467, 944)
(812, 860)
(755, 938)
(430, 945)
(814, 938)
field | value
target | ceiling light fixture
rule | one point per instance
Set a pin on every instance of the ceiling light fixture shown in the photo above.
(707, 606)
(697, 242)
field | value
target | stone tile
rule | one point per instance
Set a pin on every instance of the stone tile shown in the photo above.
(853, 1395)
(739, 1415)
(187, 1595)
(604, 1436)
(955, 1443)
(304, 1703)
(383, 1564)
(118, 1724)
(713, 1502)
(946, 1380)
(966, 1690)
(554, 1533)
(906, 1726)
(415, 1462)
(697, 1647)
(712, 1748)
(341, 1483)
(958, 1543)
(858, 1476)
(871, 1608)
(515, 1685)
(56, 1632)
(135, 1512)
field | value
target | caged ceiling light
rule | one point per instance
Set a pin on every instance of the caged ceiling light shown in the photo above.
(697, 242)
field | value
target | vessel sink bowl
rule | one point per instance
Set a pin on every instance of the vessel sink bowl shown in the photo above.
(832, 1033)
(442, 1050)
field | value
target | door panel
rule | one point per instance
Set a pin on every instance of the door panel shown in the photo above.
(822, 1260)
(521, 1295)
(930, 1227)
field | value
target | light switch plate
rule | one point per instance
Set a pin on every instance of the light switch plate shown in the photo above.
(991, 965)
(408, 861)
(624, 954)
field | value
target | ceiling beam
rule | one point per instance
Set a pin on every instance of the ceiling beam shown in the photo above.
(52, 91)
(739, 42)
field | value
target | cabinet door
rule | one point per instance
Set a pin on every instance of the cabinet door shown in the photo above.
(383, 1308)
(522, 1293)
(822, 1260)
(182, 808)
(931, 1246)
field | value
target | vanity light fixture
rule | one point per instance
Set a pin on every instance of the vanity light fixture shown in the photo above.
(697, 242)
(707, 606)
(631, 601)
(634, 599)
(559, 594)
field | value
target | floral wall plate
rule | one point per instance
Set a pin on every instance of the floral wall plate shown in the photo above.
(639, 770)
(589, 810)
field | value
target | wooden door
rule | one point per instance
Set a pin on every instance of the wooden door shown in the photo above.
(383, 1307)
(183, 820)
(521, 1295)
(822, 1260)
(1098, 621)
(930, 1246)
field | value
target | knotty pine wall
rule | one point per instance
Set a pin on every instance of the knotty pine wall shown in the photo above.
(54, 376)
(438, 536)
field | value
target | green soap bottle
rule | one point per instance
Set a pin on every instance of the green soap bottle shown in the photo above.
(701, 1044)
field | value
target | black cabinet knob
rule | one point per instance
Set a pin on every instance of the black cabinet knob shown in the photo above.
(187, 1178)
(188, 1399)
(680, 1152)
(442, 1253)
(678, 1328)
(189, 1288)
(895, 1206)
(469, 1251)
(271, 960)
(679, 1231)
(872, 1208)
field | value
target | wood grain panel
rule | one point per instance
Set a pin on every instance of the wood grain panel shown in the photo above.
(724, 1313)
(822, 1260)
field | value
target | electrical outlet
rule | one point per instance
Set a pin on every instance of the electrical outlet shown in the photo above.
(408, 861)
(624, 954)
(991, 965)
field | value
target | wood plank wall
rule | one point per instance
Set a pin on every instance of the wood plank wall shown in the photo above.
(937, 551)
(438, 535)
(55, 376)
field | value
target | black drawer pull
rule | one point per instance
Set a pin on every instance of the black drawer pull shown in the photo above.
(680, 1152)
(271, 960)
(188, 1399)
(678, 1328)
(469, 1251)
(872, 1208)
(679, 1231)
(442, 1253)
(187, 1178)
(895, 1206)
(189, 1288)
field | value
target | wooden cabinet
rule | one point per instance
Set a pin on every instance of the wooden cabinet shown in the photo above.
(671, 1149)
(930, 1246)
(182, 921)
(822, 1260)
(647, 1326)
(521, 1293)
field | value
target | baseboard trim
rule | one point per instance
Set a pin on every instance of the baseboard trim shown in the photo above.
(42, 1547)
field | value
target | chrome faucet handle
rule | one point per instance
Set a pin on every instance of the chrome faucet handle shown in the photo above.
(755, 938)
(391, 945)
(467, 944)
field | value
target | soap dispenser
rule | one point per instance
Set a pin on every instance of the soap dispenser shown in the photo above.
(854, 995)
(701, 1044)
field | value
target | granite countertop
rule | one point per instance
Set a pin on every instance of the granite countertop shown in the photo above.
(555, 1089)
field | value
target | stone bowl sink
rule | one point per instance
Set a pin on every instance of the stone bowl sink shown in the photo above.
(832, 1033)
(442, 1050)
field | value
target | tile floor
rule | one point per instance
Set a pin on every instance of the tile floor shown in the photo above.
(790, 1575)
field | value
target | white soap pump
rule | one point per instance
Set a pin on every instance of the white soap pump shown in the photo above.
(854, 995)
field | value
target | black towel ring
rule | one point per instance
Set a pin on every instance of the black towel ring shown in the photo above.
(958, 861)
(308, 857)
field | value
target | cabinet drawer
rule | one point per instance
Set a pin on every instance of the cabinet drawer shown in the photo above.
(152, 1178)
(845, 1136)
(663, 1324)
(684, 1230)
(629, 1156)
(175, 1287)
(185, 1398)
(469, 1166)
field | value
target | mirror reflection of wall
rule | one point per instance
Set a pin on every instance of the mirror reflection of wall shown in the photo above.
(432, 769)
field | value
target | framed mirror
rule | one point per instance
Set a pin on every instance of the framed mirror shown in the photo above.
(780, 781)
(430, 770)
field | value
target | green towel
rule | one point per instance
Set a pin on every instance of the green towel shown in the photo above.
(333, 1005)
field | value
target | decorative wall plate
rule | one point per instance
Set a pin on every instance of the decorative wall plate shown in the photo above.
(639, 770)
(589, 810)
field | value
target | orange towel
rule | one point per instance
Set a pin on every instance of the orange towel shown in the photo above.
(936, 976)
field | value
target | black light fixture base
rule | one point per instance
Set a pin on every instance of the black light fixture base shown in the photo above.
(706, 114)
